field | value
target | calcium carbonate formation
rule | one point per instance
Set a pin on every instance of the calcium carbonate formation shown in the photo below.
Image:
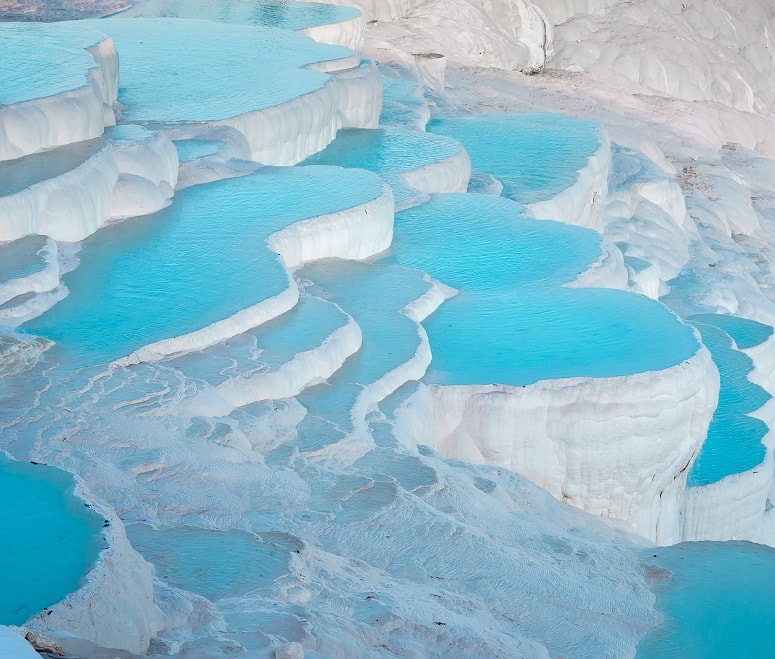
(328, 341)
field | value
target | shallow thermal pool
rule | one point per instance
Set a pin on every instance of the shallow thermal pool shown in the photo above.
(16, 175)
(734, 442)
(385, 151)
(41, 60)
(49, 539)
(717, 603)
(272, 13)
(239, 68)
(22, 257)
(202, 259)
(388, 152)
(513, 321)
(534, 156)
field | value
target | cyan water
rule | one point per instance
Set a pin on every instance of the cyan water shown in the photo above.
(233, 70)
(21, 258)
(202, 259)
(717, 604)
(385, 151)
(535, 156)
(214, 564)
(40, 60)
(193, 149)
(744, 332)
(734, 441)
(49, 539)
(283, 14)
(403, 104)
(388, 152)
(514, 322)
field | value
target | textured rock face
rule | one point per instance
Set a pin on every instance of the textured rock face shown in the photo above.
(616, 447)
(128, 177)
(696, 50)
(506, 34)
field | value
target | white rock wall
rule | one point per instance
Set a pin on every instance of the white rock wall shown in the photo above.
(507, 34)
(72, 116)
(288, 133)
(698, 50)
(447, 175)
(579, 203)
(123, 179)
(616, 447)
(345, 33)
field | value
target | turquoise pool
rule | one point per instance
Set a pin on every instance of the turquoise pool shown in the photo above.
(734, 442)
(388, 152)
(514, 322)
(535, 156)
(283, 14)
(202, 259)
(49, 539)
(41, 60)
(239, 68)
(717, 603)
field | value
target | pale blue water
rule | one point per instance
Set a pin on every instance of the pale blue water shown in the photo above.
(49, 539)
(20, 258)
(215, 564)
(192, 149)
(638, 265)
(16, 175)
(40, 60)
(403, 104)
(745, 333)
(535, 156)
(387, 152)
(272, 13)
(267, 347)
(198, 261)
(718, 603)
(513, 322)
(734, 442)
(233, 69)
(544, 334)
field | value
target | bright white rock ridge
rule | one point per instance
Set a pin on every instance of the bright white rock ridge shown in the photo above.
(322, 340)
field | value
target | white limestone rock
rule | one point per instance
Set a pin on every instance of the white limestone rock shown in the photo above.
(133, 174)
(506, 34)
(616, 447)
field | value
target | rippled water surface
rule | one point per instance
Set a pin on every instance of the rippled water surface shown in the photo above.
(272, 13)
(717, 604)
(535, 156)
(734, 441)
(513, 321)
(202, 259)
